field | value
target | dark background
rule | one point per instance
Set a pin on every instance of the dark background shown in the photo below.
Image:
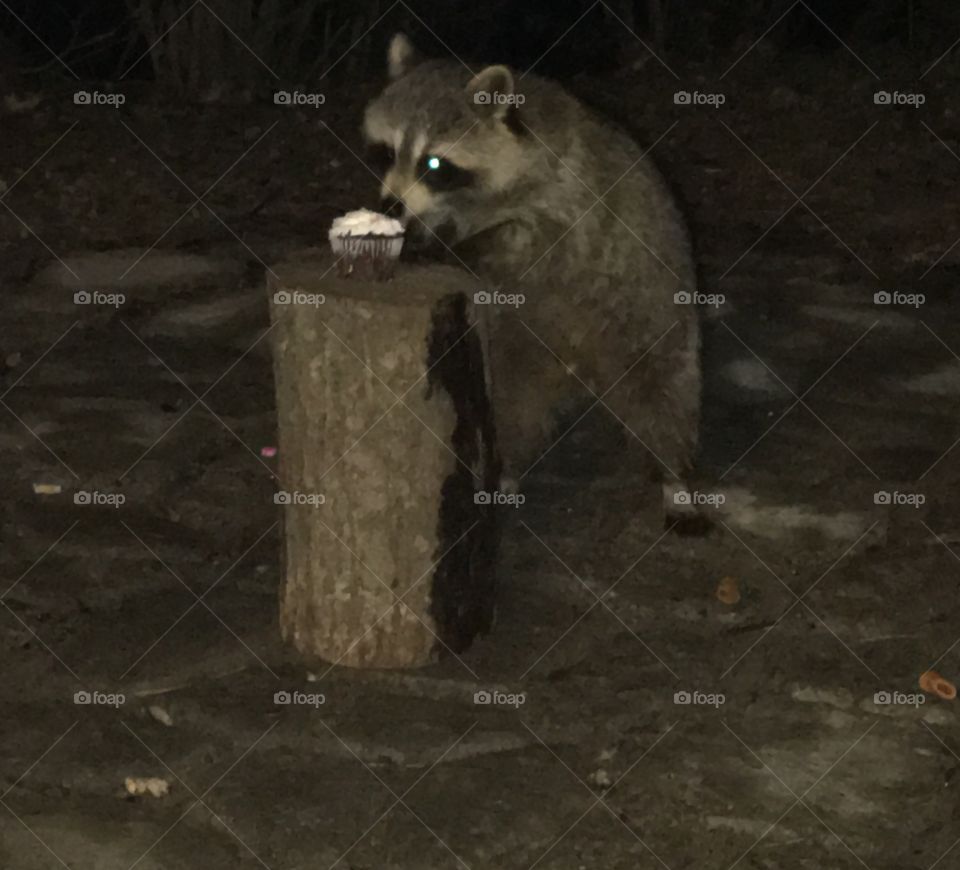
(98, 38)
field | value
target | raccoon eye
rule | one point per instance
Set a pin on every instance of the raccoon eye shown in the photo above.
(380, 157)
(440, 174)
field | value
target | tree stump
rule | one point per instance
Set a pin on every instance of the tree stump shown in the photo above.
(386, 442)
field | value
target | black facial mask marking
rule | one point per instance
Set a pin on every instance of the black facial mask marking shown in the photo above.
(380, 157)
(440, 174)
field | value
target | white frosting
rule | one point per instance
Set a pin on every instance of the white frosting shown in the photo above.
(365, 223)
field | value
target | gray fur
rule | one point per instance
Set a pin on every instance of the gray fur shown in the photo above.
(599, 290)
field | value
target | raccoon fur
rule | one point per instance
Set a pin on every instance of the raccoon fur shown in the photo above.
(538, 196)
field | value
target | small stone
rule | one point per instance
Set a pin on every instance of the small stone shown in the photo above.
(139, 785)
(161, 715)
(601, 778)
(47, 488)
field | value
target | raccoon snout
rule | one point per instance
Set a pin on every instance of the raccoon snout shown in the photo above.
(419, 241)
(393, 207)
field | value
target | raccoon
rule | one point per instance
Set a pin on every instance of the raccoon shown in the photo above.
(532, 192)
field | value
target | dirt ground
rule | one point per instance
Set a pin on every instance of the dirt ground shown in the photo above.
(806, 198)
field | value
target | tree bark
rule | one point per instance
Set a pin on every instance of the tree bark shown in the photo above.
(385, 436)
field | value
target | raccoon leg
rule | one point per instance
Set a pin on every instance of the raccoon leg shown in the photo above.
(525, 394)
(523, 414)
(659, 403)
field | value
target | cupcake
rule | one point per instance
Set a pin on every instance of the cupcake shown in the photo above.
(367, 244)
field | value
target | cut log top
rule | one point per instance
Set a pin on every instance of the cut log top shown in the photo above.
(313, 271)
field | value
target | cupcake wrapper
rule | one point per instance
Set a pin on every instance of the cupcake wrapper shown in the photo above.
(367, 256)
(367, 246)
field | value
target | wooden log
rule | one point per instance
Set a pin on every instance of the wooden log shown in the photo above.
(386, 438)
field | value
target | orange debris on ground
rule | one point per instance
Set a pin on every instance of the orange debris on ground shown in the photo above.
(934, 684)
(728, 590)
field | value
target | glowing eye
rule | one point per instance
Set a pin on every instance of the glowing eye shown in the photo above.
(438, 173)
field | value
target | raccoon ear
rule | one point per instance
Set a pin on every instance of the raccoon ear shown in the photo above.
(402, 56)
(490, 92)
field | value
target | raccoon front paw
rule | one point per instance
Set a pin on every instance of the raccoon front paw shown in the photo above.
(680, 515)
(509, 485)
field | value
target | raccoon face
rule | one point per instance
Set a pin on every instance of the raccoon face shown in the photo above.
(446, 150)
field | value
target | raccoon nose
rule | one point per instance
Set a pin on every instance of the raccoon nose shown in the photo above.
(392, 206)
